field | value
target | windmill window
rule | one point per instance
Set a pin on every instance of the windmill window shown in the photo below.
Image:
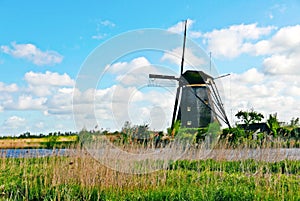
(188, 109)
(189, 123)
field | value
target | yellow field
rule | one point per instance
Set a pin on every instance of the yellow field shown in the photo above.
(33, 142)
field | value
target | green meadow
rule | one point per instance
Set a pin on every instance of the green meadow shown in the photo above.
(80, 177)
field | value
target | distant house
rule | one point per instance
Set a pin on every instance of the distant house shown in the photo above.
(262, 127)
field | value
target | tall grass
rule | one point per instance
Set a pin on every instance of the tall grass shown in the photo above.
(81, 177)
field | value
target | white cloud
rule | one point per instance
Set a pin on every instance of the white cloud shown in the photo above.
(44, 84)
(282, 64)
(284, 51)
(14, 122)
(179, 28)
(60, 103)
(133, 73)
(277, 9)
(33, 54)
(116, 104)
(124, 67)
(25, 102)
(98, 97)
(137, 76)
(281, 51)
(8, 88)
(191, 60)
(139, 106)
(48, 78)
(287, 37)
(48, 93)
(251, 76)
(91, 102)
(99, 32)
(285, 40)
(107, 23)
(194, 34)
(266, 94)
(84, 97)
(233, 41)
(60, 99)
(292, 91)
(99, 36)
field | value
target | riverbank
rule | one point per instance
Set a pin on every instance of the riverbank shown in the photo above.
(38, 142)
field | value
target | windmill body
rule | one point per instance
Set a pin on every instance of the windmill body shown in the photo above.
(194, 106)
(197, 101)
(193, 111)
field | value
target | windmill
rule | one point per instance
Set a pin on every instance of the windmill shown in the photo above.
(197, 101)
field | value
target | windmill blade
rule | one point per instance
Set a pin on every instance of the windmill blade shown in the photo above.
(218, 99)
(183, 50)
(166, 77)
(211, 109)
(175, 107)
(220, 103)
(217, 105)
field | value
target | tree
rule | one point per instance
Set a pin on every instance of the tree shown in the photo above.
(127, 128)
(255, 116)
(273, 124)
(249, 117)
(294, 122)
(176, 128)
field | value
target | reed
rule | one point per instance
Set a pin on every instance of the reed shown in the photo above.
(80, 177)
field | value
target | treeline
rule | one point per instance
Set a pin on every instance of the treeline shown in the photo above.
(250, 131)
(41, 135)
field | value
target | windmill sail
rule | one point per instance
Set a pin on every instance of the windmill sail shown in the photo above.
(183, 49)
(177, 110)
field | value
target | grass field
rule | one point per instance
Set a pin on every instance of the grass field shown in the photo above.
(80, 177)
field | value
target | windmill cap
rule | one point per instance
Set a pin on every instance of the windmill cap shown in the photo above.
(196, 77)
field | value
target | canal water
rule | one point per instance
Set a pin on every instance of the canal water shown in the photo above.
(30, 153)
(223, 154)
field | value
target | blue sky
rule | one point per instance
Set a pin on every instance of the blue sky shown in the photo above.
(44, 44)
